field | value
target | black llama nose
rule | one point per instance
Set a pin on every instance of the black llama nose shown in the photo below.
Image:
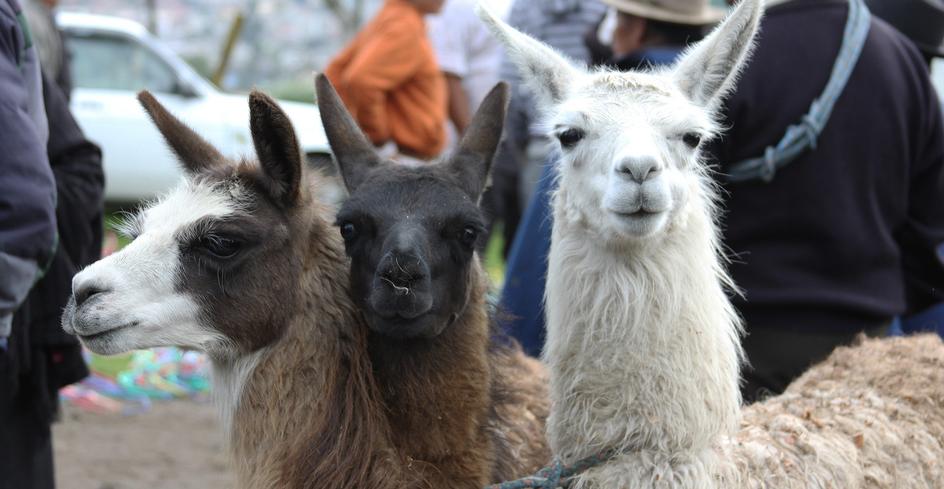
(401, 271)
(86, 291)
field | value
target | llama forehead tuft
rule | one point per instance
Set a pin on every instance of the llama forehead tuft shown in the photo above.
(192, 201)
(609, 102)
(609, 81)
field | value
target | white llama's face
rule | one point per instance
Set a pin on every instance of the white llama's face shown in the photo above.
(629, 145)
(134, 298)
(630, 141)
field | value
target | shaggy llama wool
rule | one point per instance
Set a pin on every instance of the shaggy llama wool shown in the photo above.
(643, 343)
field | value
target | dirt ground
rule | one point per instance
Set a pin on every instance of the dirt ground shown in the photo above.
(175, 445)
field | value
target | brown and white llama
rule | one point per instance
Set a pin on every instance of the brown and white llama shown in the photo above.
(463, 410)
(240, 262)
(643, 344)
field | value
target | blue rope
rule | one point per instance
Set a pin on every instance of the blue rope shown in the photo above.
(557, 474)
(803, 136)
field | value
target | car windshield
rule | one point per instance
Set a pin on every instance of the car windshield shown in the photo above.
(117, 63)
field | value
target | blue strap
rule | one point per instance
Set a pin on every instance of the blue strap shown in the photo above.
(557, 475)
(802, 136)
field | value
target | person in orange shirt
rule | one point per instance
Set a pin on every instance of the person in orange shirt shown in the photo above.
(389, 79)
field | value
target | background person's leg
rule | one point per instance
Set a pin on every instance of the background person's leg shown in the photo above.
(523, 294)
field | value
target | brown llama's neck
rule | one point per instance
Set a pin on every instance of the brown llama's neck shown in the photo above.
(309, 414)
(437, 394)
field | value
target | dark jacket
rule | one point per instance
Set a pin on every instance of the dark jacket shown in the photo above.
(844, 237)
(27, 187)
(41, 358)
(77, 164)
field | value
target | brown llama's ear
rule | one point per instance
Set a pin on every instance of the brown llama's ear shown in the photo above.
(472, 159)
(276, 147)
(353, 153)
(196, 155)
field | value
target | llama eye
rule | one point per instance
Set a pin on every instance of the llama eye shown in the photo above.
(348, 231)
(220, 247)
(468, 236)
(570, 137)
(691, 139)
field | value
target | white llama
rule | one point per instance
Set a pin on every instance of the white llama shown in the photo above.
(643, 344)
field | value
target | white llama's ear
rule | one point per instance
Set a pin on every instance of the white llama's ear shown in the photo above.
(544, 70)
(354, 155)
(472, 159)
(709, 70)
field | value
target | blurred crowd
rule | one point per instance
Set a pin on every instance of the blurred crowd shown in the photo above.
(832, 165)
(832, 169)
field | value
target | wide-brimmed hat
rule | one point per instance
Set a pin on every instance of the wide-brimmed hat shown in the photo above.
(689, 12)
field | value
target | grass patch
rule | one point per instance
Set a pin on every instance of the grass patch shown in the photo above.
(115, 214)
(494, 256)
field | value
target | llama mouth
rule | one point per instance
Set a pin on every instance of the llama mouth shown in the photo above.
(638, 214)
(94, 337)
(639, 223)
(397, 326)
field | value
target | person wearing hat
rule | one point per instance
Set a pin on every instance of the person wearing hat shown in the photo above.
(640, 33)
(634, 34)
(841, 236)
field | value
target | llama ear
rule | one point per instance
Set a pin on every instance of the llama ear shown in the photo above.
(709, 70)
(196, 155)
(276, 147)
(472, 159)
(353, 153)
(544, 70)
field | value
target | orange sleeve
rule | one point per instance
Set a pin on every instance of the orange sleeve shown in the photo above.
(384, 61)
(336, 67)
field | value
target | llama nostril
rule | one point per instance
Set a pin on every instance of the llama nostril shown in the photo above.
(639, 170)
(402, 274)
(400, 278)
(86, 291)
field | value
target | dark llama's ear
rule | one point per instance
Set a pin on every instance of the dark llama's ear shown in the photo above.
(472, 159)
(276, 146)
(353, 153)
(196, 155)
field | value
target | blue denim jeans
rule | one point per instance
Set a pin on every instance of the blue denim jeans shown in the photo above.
(522, 297)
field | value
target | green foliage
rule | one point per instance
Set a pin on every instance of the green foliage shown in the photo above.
(113, 218)
(494, 259)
